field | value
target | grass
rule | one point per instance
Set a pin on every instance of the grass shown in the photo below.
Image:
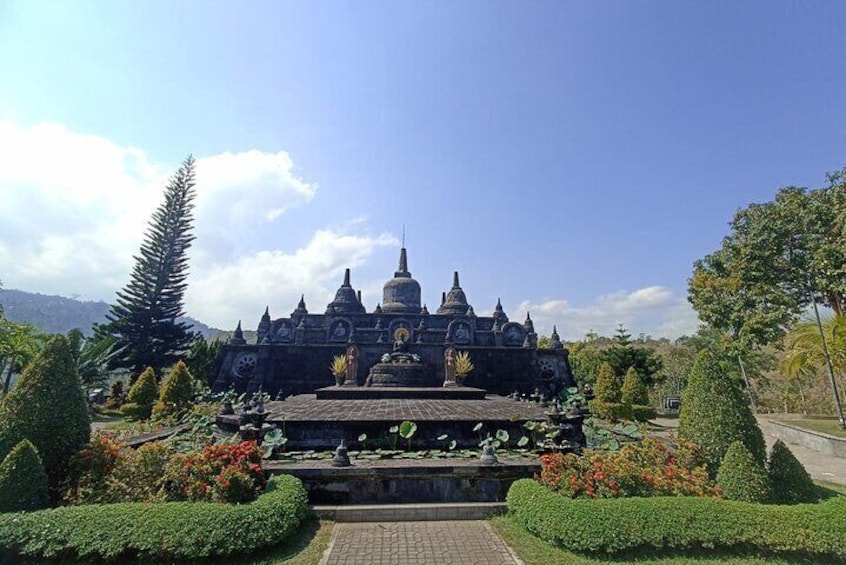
(305, 547)
(824, 425)
(534, 551)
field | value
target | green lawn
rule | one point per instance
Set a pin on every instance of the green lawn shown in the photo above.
(535, 551)
(305, 547)
(825, 425)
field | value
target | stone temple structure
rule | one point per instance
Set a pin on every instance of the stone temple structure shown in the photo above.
(293, 353)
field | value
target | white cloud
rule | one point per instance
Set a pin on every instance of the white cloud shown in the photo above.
(653, 310)
(225, 293)
(75, 207)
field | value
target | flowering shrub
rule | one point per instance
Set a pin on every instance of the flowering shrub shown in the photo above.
(139, 473)
(218, 473)
(90, 468)
(648, 468)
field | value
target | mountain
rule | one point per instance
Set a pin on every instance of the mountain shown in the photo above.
(58, 314)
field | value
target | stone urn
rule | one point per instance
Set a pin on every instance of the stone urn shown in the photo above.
(340, 378)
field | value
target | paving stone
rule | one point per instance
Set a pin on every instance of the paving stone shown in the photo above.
(418, 543)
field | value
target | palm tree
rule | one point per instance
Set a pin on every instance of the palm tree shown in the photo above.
(18, 344)
(805, 356)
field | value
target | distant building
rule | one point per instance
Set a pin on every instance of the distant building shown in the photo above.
(292, 354)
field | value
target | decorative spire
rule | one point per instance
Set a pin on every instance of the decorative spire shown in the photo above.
(238, 336)
(470, 312)
(499, 315)
(358, 295)
(403, 265)
(555, 341)
(424, 311)
(529, 324)
(264, 325)
(443, 298)
(301, 309)
(378, 309)
(346, 301)
(455, 301)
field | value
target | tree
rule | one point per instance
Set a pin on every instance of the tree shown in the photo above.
(144, 318)
(804, 352)
(714, 414)
(780, 257)
(19, 343)
(93, 356)
(202, 359)
(622, 356)
(48, 407)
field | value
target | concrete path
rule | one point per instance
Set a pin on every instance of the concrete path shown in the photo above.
(466, 542)
(819, 465)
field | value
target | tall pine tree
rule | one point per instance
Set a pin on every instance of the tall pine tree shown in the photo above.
(144, 319)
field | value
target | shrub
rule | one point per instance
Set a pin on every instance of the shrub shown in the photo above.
(90, 470)
(678, 522)
(607, 388)
(648, 468)
(741, 477)
(159, 531)
(141, 396)
(715, 413)
(640, 413)
(218, 473)
(48, 407)
(23, 481)
(611, 411)
(140, 474)
(634, 391)
(789, 481)
(176, 391)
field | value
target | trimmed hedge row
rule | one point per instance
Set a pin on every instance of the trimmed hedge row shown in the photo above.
(167, 531)
(612, 525)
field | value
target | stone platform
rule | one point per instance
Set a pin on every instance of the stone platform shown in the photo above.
(310, 423)
(408, 480)
(420, 393)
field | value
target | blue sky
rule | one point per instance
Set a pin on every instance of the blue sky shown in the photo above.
(571, 158)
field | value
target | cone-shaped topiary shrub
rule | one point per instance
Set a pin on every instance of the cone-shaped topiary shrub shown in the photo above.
(789, 481)
(741, 476)
(141, 396)
(176, 391)
(634, 389)
(606, 404)
(715, 413)
(48, 407)
(23, 481)
(607, 387)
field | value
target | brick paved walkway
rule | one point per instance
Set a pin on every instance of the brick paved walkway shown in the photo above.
(417, 543)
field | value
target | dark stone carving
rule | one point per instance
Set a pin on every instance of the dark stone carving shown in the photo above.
(513, 334)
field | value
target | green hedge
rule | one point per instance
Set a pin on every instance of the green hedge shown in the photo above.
(166, 531)
(611, 525)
